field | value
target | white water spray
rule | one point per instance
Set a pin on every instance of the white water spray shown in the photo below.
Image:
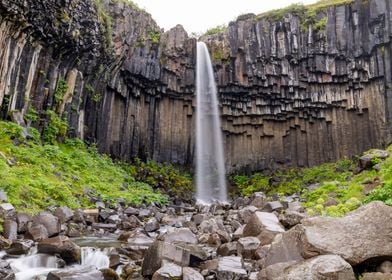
(210, 168)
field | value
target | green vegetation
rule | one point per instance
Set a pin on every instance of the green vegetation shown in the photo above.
(56, 128)
(164, 177)
(60, 91)
(36, 176)
(154, 36)
(216, 30)
(106, 21)
(314, 14)
(96, 97)
(339, 189)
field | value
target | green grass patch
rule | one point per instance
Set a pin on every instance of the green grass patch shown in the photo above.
(216, 30)
(37, 176)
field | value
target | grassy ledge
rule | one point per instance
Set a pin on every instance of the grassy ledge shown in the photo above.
(37, 176)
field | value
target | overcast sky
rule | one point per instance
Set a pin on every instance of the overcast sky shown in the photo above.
(199, 15)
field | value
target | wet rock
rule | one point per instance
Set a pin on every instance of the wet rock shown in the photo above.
(37, 232)
(180, 235)
(20, 247)
(114, 260)
(4, 243)
(109, 274)
(151, 225)
(64, 214)
(108, 227)
(168, 271)
(22, 219)
(376, 276)
(49, 221)
(130, 222)
(6, 272)
(318, 268)
(10, 230)
(247, 246)
(63, 246)
(191, 274)
(263, 225)
(76, 273)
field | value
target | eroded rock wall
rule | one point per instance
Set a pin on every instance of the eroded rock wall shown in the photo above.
(288, 96)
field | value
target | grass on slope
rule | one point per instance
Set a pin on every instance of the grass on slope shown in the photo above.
(339, 189)
(36, 176)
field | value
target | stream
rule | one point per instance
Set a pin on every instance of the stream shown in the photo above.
(36, 266)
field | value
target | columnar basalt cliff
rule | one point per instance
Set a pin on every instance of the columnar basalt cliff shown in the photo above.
(289, 95)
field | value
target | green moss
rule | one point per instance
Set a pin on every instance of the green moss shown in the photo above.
(60, 91)
(56, 128)
(164, 177)
(216, 30)
(154, 36)
(53, 175)
(96, 97)
(106, 22)
(31, 115)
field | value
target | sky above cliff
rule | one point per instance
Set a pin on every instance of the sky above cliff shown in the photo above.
(199, 15)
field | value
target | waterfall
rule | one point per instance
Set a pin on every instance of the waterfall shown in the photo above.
(210, 168)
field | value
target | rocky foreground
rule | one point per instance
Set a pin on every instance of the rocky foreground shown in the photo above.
(250, 239)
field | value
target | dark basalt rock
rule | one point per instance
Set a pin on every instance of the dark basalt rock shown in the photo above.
(288, 96)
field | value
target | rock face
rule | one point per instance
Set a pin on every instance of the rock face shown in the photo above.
(288, 96)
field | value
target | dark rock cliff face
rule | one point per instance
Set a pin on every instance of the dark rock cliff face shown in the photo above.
(288, 96)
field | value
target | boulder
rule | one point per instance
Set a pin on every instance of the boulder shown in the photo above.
(291, 218)
(189, 273)
(7, 210)
(10, 230)
(168, 271)
(230, 268)
(151, 225)
(61, 245)
(227, 249)
(6, 272)
(247, 246)
(20, 247)
(49, 221)
(37, 232)
(318, 268)
(76, 273)
(246, 213)
(22, 219)
(258, 200)
(369, 159)
(263, 225)
(137, 244)
(64, 214)
(180, 234)
(273, 206)
(362, 235)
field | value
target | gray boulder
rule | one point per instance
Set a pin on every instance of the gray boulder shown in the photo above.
(263, 225)
(61, 245)
(247, 246)
(169, 271)
(189, 273)
(64, 214)
(49, 221)
(76, 273)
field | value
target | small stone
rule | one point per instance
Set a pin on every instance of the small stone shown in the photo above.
(247, 246)
(291, 218)
(227, 249)
(64, 214)
(151, 225)
(273, 206)
(168, 272)
(191, 274)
